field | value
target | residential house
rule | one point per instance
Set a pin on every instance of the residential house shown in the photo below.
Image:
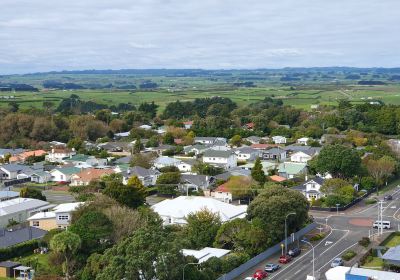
(206, 140)
(355, 273)
(7, 195)
(277, 178)
(120, 135)
(59, 217)
(224, 159)
(20, 209)
(278, 154)
(290, 170)
(196, 149)
(279, 139)
(161, 149)
(88, 175)
(262, 146)
(40, 177)
(205, 253)
(11, 152)
(124, 160)
(311, 188)
(18, 235)
(249, 126)
(85, 161)
(196, 182)
(11, 171)
(188, 124)
(63, 174)
(117, 148)
(237, 171)
(22, 157)
(266, 166)
(148, 177)
(253, 139)
(222, 193)
(174, 211)
(303, 141)
(168, 161)
(59, 154)
(246, 153)
(145, 126)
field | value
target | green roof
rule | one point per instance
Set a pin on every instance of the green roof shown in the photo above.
(78, 157)
(291, 168)
(69, 170)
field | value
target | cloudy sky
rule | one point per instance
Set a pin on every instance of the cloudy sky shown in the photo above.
(44, 35)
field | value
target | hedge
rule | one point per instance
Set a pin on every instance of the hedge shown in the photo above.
(18, 250)
(349, 255)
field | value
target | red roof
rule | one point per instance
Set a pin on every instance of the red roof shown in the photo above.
(222, 188)
(178, 141)
(277, 178)
(262, 146)
(250, 125)
(188, 122)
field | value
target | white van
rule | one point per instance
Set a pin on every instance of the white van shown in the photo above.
(382, 224)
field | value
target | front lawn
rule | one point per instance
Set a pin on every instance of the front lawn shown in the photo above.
(374, 262)
(39, 262)
(393, 242)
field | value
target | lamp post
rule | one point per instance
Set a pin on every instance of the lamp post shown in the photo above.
(183, 270)
(313, 257)
(292, 213)
(337, 208)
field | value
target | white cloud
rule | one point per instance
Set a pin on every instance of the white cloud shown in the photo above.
(45, 35)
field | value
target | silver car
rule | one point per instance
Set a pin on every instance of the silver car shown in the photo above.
(337, 262)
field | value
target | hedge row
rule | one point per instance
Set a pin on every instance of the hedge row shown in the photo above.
(18, 250)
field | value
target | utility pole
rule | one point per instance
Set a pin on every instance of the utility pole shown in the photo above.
(380, 217)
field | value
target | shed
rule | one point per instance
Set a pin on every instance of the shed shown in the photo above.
(7, 269)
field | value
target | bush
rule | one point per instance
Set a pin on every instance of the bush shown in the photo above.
(349, 255)
(366, 258)
(370, 201)
(318, 236)
(365, 241)
(18, 250)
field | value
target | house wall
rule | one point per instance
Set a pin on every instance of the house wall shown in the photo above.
(20, 216)
(61, 221)
(57, 176)
(222, 196)
(300, 157)
(45, 224)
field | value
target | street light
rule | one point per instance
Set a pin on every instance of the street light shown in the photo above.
(313, 258)
(337, 208)
(183, 270)
(292, 213)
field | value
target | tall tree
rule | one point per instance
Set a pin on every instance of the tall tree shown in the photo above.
(133, 194)
(66, 244)
(31, 193)
(381, 169)
(257, 172)
(202, 227)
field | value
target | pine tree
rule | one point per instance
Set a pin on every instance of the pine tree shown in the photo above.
(257, 172)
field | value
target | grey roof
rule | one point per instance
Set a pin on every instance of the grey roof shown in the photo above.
(126, 159)
(140, 172)
(316, 179)
(9, 264)
(20, 204)
(14, 167)
(297, 148)
(10, 238)
(233, 172)
(246, 150)
(216, 153)
(254, 138)
(11, 151)
(393, 254)
(274, 151)
(197, 180)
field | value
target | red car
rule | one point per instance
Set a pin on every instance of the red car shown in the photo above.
(260, 274)
(285, 259)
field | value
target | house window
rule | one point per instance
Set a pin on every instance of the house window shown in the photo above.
(35, 223)
(63, 217)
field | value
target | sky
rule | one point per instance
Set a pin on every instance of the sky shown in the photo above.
(46, 35)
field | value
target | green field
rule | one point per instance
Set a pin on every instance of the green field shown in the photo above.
(299, 97)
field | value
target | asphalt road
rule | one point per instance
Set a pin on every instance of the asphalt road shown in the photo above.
(346, 229)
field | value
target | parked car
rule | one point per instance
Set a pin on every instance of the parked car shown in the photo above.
(249, 278)
(271, 267)
(388, 197)
(285, 259)
(294, 252)
(259, 274)
(381, 224)
(337, 262)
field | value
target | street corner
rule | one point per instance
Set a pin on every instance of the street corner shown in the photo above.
(361, 222)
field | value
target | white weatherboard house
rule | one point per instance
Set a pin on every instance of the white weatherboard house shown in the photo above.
(300, 157)
(246, 153)
(174, 211)
(303, 140)
(279, 139)
(311, 188)
(20, 209)
(225, 159)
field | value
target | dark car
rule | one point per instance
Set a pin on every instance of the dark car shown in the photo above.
(259, 274)
(388, 197)
(294, 252)
(285, 259)
(271, 267)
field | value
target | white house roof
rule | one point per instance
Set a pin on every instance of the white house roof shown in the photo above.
(205, 253)
(67, 207)
(182, 206)
(20, 204)
(167, 161)
(339, 273)
(43, 216)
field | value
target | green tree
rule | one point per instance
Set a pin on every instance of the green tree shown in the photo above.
(339, 161)
(272, 205)
(168, 138)
(31, 193)
(138, 146)
(169, 178)
(381, 169)
(236, 141)
(94, 229)
(143, 160)
(133, 194)
(257, 172)
(202, 227)
(66, 244)
(331, 186)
